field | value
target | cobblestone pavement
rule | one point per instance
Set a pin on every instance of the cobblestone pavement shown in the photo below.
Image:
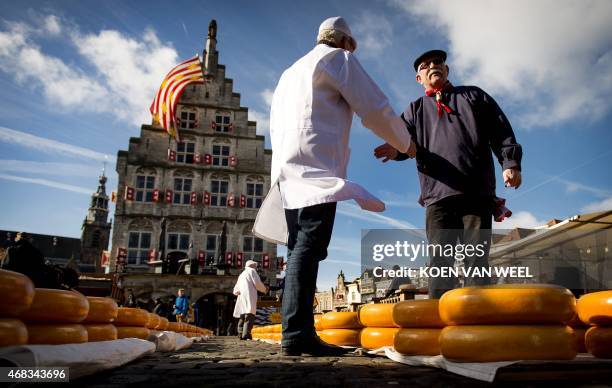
(226, 361)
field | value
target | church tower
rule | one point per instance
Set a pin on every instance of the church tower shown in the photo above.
(96, 228)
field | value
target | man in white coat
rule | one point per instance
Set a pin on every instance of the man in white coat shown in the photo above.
(310, 121)
(246, 288)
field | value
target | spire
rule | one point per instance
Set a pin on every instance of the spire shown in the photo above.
(210, 54)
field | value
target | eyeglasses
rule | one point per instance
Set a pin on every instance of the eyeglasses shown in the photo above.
(435, 61)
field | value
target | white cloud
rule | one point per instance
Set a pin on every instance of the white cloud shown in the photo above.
(552, 59)
(521, 219)
(373, 33)
(604, 205)
(356, 212)
(49, 168)
(263, 121)
(572, 187)
(129, 70)
(48, 183)
(266, 95)
(23, 139)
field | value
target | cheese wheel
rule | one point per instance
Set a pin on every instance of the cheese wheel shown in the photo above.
(174, 326)
(317, 322)
(417, 313)
(101, 310)
(132, 332)
(277, 337)
(340, 320)
(507, 304)
(56, 306)
(153, 321)
(595, 308)
(417, 342)
(377, 315)
(278, 328)
(100, 332)
(17, 292)
(12, 332)
(163, 324)
(579, 338)
(377, 337)
(56, 334)
(129, 316)
(598, 341)
(341, 337)
(507, 343)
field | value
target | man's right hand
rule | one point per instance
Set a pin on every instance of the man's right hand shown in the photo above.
(385, 152)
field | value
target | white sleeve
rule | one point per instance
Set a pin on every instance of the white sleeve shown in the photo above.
(367, 100)
(258, 283)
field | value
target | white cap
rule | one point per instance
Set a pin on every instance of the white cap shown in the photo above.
(250, 263)
(336, 23)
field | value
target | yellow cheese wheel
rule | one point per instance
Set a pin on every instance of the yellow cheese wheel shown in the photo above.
(132, 332)
(163, 324)
(174, 326)
(507, 343)
(377, 337)
(129, 316)
(417, 341)
(596, 308)
(417, 313)
(100, 332)
(12, 332)
(341, 337)
(278, 328)
(277, 337)
(340, 320)
(598, 341)
(317, 322)
(507, 304)
(154, 321)
(377, 315)
(17, 293)
(56, 334)
(56, 306)
(101, 310)
(579, 337)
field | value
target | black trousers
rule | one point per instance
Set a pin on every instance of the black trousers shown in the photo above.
(459, 219)
(310, 230)
(245, 324)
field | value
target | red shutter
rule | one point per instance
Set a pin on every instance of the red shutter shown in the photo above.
(213, 125)
(152, 255)
(239, 259)
(171, 155)
(206, 198)
(114, 197)
(231, 200)
(207, 159)
(233, 161)
(229, 258)
(105, 259)
(197, 159)
(194, 198)
(230, 127)
(129, 193)
(156, 195)
(121, 255)
(266, 261)
(242, 200)
(196, 123)
(201, 257)
(168, 196)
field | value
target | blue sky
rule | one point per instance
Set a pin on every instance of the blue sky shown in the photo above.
(77, 77)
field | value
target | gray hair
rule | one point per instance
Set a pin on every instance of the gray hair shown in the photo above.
(331, 37)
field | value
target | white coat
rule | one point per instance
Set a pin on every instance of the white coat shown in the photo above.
(310, 121)
(248, 284)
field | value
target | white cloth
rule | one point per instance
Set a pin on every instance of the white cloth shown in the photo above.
(310, 121)
(336, 23)
(248, 284)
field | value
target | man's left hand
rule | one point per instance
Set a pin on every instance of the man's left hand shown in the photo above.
(512, 178)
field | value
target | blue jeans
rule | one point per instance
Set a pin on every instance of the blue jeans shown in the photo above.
(310, 230)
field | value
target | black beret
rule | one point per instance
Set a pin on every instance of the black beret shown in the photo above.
(428, 54)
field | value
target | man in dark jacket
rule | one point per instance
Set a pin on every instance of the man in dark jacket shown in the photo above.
(455, 128)
(25, 258)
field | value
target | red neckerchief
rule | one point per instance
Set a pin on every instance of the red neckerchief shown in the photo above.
(501, 212)
(439, 98)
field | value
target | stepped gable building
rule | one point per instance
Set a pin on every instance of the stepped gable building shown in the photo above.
(195, 202)
(96, 229)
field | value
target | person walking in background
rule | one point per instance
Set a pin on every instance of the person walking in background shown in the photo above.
(246, 288)
(181, 306)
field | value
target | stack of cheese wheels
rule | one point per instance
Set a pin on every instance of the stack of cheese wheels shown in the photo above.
(55, 317)
(596, 309)
(132, 323)
(154, 321)
(580, 329)
(17, 293)
(341, 328)
(420, 327)
(317, 323)
(163, 324)
(99, 320)
(507, 323)
(379, 328)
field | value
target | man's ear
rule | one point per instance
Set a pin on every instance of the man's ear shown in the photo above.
(447, 70)
(418, 79)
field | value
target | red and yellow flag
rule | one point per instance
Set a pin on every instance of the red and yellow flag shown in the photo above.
(164, 104)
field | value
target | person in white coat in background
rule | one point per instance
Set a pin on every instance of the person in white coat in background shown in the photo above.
(246, 288)
(310, 121)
